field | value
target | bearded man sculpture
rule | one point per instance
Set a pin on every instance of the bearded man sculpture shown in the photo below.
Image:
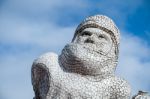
(85, 69)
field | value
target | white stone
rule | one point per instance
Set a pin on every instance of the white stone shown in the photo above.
(85, 69)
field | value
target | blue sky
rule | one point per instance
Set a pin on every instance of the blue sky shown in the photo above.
(29, 28)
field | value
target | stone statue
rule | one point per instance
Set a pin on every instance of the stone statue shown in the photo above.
(85, 69)
(141, 95)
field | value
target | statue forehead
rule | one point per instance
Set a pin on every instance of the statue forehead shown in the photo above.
(94, 30)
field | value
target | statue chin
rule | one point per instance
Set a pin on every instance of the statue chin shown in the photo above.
(79, 59)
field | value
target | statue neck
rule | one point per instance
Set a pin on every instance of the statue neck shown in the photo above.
(75, 59)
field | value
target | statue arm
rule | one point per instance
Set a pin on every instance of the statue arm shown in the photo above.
(41, 74)
(123, 90)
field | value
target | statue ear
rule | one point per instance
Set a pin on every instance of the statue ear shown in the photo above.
(40, 80)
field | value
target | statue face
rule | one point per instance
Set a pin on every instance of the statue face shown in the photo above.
(95, 39)
(90, 53)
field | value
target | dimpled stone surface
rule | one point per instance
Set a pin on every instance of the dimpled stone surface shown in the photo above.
(86, 67)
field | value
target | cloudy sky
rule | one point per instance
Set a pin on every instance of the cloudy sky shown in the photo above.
(29, 28)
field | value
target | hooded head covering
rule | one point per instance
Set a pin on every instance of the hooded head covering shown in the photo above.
(102, 22)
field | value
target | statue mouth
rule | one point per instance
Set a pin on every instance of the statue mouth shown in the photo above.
(87, 47)
(90, 47)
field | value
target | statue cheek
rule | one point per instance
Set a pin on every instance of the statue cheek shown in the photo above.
(104, 47)
(80, 39)
(107, 48)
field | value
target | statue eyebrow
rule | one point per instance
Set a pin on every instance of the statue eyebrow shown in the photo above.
(86, 33)
(98, 33)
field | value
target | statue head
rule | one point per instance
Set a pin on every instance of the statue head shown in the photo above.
(98, 30)
(94, 47)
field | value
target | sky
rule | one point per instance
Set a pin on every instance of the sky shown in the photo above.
(30, 28)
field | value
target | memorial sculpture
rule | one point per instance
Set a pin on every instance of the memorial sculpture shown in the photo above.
(85, 69)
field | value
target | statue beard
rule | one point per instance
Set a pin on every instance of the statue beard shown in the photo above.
(78, 58)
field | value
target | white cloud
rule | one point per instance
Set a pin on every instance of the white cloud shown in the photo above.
(15, 76)
(17, 30)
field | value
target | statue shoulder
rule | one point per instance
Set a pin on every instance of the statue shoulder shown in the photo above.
(42, 73)
(121, 88)
(48, 59)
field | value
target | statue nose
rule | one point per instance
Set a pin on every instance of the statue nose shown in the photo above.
(89, 40)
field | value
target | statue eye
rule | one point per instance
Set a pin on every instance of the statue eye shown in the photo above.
(101, 36)
(85, 33)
